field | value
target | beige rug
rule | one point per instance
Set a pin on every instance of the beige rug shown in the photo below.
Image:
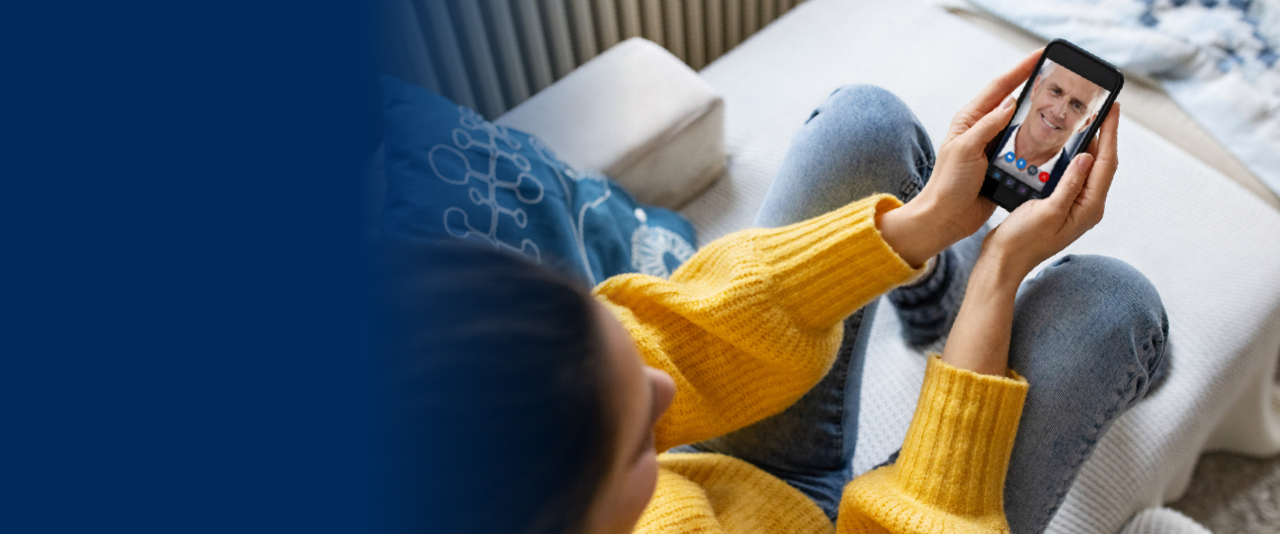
(1233, 494)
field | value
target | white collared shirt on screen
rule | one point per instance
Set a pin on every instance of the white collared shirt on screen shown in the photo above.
(1034, 181)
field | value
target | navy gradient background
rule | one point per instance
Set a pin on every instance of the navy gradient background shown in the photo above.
(180, 342)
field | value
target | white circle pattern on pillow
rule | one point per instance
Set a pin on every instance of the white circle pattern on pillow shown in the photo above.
(650, 244)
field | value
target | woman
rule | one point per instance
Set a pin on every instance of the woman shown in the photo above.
(527, 405)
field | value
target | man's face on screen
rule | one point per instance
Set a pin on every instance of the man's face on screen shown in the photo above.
(1061, 103)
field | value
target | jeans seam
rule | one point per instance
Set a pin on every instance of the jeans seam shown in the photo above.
(844, 377)
(909, 189)
(843, 380)
(914, 183)
(844, 372)
(1154, 360)
(1091, 440)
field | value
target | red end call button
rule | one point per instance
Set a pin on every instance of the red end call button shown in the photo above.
(1044, 177)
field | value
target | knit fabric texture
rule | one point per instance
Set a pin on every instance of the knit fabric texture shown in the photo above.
(752, 322)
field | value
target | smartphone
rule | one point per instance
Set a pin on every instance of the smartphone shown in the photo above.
(1059, 110)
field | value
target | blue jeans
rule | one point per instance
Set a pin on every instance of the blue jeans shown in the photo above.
(1088, 332)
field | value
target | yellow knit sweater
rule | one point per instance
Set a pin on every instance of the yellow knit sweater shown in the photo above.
(746, 327)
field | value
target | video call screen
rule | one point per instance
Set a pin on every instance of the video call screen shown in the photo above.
(1049, 125)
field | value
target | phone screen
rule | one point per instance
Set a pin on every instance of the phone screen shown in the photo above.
(1048, 128)
(1059, 108)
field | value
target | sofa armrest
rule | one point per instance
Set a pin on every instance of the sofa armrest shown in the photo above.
(637, 114)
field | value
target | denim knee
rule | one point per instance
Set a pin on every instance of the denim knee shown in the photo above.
(1127, 303)
(1089, 336)
(875, 123)
(871, 100)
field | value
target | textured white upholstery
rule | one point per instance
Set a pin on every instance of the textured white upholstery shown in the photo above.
(1162, 521)
(639, 115)
(1211, 248)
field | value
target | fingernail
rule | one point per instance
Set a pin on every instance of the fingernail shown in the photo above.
(1008, 101)
(1084, 162)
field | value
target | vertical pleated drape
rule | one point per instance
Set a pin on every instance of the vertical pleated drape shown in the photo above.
(491, 55)
(506, 47)
(629, 18)
(652, 10)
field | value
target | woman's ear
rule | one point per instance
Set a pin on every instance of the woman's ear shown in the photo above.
(664, 391)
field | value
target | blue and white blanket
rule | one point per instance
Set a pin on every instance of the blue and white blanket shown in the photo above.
(1217, 59)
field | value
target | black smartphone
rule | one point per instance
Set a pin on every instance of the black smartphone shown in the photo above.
(1059, 110)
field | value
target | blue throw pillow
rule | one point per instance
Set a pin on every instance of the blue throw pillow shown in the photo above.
(452, 173)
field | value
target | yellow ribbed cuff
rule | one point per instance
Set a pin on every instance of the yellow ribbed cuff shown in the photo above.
(953, 462)
(958, 446)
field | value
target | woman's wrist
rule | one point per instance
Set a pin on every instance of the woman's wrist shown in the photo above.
(913, 234)
(997, 271)
(979, 340)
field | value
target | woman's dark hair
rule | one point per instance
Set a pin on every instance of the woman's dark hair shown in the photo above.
(496, 369)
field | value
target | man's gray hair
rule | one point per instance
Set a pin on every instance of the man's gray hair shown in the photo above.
(1050, 66)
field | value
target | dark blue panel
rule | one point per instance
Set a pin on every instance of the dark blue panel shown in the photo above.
(180, 341)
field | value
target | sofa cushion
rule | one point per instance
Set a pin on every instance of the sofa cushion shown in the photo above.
(449, 172)
(637, 114)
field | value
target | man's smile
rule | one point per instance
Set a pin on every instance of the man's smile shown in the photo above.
(1046, 122)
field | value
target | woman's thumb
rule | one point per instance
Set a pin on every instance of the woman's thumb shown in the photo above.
(990, 124)
(1072, 181)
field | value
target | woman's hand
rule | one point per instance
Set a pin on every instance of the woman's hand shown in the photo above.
(1038, 229)
(1041, 228)
(949, 208)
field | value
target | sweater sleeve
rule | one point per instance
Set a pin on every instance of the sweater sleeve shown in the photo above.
(751, 322)
(950, 474)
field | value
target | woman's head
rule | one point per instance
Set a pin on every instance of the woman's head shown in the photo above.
(640, 396)
(519, 403)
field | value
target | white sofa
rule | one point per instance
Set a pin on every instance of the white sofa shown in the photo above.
(1210, 247)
